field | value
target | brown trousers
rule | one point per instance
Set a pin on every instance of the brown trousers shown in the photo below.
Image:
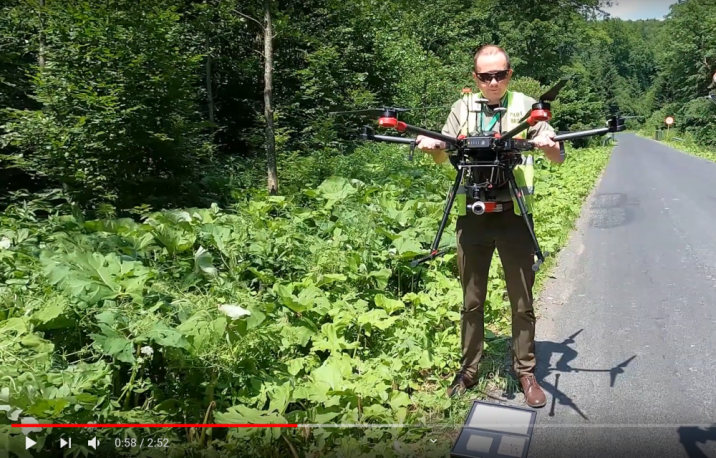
(477, 238)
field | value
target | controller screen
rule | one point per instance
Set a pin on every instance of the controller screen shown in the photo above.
(500, 419)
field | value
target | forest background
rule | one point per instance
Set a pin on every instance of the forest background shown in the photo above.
(187, 236)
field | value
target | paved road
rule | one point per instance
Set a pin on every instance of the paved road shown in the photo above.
(635, 293)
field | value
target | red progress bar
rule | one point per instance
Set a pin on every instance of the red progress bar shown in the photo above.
(151, 425)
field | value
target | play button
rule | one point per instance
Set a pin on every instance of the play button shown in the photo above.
(29, 442)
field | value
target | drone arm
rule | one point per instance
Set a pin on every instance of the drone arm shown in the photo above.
(509, 135)
(368, 134)
(581, 134)
(614, 124)
(400, 126)
(389, 139)
(533, 117)
(439, 156)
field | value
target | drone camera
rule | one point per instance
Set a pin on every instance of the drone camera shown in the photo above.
(480, 208)
(477, 208)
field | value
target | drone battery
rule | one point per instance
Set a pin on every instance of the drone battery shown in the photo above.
(478, 142)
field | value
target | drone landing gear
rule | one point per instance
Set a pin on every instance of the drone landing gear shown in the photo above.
(480, 208)
(434, 252)
(526, 218)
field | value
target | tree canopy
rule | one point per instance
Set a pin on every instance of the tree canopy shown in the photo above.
(131, 102)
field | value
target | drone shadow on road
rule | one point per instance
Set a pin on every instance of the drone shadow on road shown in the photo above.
(691, 436)
(545, 350)
(609, 210)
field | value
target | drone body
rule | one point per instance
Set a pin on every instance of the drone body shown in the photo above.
(495, 151)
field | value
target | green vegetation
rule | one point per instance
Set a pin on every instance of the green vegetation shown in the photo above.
(685, 143)
(694, 148)
(298, 309)
(150, 272)
(686, 62)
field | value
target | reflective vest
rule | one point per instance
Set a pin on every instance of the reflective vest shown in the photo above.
(516, 105)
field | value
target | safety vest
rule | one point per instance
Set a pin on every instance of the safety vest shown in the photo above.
(516, 105)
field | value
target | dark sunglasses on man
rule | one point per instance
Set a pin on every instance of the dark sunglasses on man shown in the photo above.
(498, 76)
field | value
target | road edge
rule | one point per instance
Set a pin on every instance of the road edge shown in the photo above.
(558, 287)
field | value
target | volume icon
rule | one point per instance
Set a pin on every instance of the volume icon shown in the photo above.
(93, 443)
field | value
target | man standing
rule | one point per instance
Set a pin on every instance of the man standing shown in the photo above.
(478, 236)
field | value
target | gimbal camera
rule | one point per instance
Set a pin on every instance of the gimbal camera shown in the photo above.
(496, 151)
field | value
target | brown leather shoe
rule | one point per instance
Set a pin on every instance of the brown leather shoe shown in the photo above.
(460, 385)
(534, 396)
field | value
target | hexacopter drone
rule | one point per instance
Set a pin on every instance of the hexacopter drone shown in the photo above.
(496, 151)
(712, 97)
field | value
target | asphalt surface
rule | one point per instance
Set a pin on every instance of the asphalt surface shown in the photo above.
(627, 328)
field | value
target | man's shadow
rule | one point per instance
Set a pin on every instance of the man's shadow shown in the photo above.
(690, 436)
(545, 350)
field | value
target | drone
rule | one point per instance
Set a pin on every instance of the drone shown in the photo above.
(712, 97)
(495, 150)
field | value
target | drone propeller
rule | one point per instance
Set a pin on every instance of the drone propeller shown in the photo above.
(570, 340)
(614, 111)
(381, 111)
(370, 111)
(618, 370)
(551, 94)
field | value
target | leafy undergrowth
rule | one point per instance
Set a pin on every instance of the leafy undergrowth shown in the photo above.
(296, 309)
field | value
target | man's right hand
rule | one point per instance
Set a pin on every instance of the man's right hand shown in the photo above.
(429, 145)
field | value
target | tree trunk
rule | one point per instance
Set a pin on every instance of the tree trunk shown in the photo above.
(268, 108)
(41, 54)
(209, 93)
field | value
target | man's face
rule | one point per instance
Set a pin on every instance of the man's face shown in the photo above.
(492, 76)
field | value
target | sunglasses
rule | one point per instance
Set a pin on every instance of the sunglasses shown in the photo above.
(487, 77)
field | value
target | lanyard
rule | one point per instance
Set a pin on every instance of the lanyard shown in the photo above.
(492, 123)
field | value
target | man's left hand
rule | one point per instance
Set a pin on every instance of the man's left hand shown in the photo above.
(544, 141)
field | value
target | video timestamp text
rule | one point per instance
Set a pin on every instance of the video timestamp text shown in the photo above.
(148, 442)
